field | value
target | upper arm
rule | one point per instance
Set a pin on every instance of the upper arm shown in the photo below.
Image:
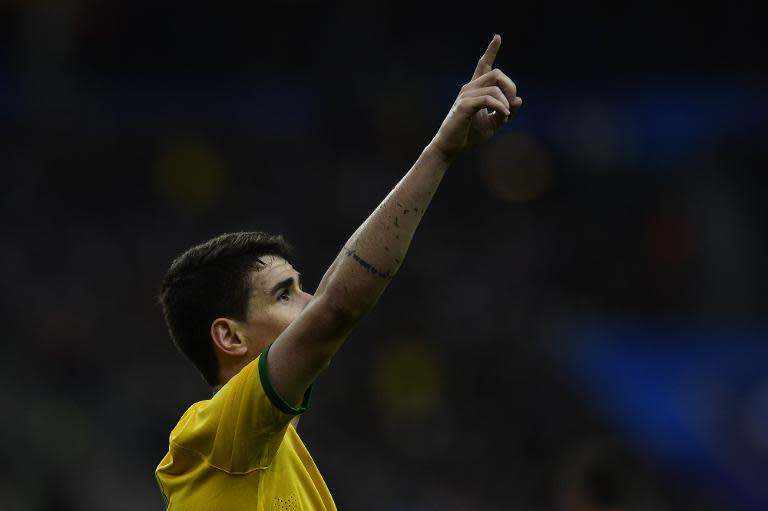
(306, 347)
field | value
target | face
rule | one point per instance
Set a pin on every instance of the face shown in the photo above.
(276, 300)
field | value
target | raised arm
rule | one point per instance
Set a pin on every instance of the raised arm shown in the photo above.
(373, 254)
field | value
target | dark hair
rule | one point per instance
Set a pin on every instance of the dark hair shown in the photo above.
(211, 280)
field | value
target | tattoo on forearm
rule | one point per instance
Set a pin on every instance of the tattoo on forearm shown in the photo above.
(368, 266)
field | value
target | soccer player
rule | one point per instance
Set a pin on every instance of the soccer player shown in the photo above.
(235, 307)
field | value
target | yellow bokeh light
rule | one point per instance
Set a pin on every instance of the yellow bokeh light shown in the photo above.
(407, 380)
(190, 174)
(517, 168)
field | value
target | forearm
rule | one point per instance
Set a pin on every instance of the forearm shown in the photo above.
(373, 254)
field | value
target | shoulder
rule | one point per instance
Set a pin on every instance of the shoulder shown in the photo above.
(188, 418)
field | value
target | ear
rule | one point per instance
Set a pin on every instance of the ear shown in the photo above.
(228, 338)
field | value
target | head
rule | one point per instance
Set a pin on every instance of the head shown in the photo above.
(225, 300)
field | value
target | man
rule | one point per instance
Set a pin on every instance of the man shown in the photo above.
(234, 305)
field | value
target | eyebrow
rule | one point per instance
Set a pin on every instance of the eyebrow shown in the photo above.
(285, 283)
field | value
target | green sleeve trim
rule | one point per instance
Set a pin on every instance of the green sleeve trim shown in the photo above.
(277, 400)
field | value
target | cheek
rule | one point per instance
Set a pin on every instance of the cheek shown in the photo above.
(267, 322)
(283, 316)
(293, 311)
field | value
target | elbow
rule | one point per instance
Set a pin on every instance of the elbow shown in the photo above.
(344, 307)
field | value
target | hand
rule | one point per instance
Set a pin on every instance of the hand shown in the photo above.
(469, 122)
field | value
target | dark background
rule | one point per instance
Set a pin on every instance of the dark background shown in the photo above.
(594, 275)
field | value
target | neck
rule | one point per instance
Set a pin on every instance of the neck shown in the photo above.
(227, 371)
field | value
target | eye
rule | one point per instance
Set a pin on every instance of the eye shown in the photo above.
(285, 295)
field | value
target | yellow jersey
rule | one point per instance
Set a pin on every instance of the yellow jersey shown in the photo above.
(239, 451)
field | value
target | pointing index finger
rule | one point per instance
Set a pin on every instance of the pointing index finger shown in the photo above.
(485, 63)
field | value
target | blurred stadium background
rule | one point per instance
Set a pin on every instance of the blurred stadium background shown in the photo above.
(592, 280)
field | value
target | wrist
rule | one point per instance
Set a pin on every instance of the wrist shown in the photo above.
(433, 151)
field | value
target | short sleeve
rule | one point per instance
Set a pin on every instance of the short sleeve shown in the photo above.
(240, 429)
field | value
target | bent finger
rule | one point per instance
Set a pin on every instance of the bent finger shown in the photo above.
(487, 91)
(472, 105)
(498, 78)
